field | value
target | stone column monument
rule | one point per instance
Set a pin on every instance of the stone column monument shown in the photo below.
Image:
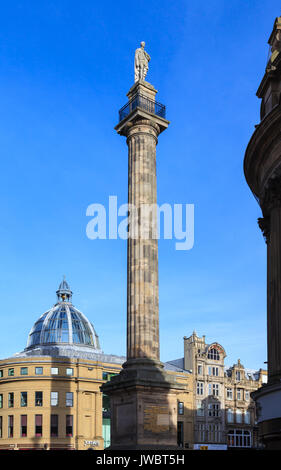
(143, 396)
(262, 167)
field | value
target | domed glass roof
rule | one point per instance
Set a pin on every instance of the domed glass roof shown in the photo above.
(63, 324)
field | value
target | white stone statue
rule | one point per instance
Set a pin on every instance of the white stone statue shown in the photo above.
(141, 62)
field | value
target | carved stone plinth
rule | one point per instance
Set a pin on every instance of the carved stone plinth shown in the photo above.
(143, 407)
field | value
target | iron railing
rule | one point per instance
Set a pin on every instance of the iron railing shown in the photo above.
(140, 101)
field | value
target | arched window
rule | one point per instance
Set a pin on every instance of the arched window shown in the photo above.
(213, 354)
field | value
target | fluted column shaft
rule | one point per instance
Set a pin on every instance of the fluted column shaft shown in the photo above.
(274, 296)
(142, 251)
(271, 227)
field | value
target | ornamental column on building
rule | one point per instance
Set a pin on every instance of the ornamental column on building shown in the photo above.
(143, 396)
(262, 168)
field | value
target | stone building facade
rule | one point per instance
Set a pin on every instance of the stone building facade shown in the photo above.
(262, 169)
(224, 412)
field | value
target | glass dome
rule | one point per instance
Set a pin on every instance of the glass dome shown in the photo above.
(63, 324)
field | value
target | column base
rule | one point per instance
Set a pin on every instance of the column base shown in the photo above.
(268, 406)
(143, 408)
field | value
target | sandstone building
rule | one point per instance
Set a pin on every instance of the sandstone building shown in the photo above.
(50, 394)
(224, 413)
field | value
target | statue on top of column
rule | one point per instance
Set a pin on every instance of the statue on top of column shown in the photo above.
(141, 62)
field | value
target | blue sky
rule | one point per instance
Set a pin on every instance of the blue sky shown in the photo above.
(65, 69)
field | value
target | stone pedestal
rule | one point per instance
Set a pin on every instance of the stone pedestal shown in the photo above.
(143, 407)
(143, 397)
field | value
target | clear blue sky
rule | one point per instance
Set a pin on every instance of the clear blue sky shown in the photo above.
(65, 69)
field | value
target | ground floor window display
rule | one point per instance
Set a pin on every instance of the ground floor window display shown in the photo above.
(239, 438)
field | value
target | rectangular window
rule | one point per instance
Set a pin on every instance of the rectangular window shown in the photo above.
(38, 370)
(23, 425)
(69, 371)
(201, 433)
(1, 373)
(239, 394)
(238, 375)
(38, 399)
(54, 370)
(229, 394)
(69, 399)
(180, 408)
(1, 400)
(11, 372)
(54, 425)
(230, 416)
(238, 416)
(11, 400)
(23, 399)
(213, 371)
(214, 389)
(10, 426)
(247, 395)
(247, 417)
(214, 409)
(69, 426)
(200, 369)
(1, 427)
(38, 425)
(54, 398)
(200, 388)
(200, 408)
(24, 371)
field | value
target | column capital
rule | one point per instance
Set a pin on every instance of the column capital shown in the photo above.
(143, 126)
(264, 225)
(271, 197)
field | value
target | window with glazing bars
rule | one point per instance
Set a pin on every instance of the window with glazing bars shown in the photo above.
(54, 425)
(23, 425)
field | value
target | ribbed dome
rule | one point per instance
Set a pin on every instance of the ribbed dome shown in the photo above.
(63, 324)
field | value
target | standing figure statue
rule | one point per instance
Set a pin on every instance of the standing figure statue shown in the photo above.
(141, 62)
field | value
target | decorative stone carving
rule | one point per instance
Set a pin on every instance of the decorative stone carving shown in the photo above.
(272, 194)
(264, 225)
(141, 62)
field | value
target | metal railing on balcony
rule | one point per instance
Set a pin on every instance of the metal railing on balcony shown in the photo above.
(140, 101)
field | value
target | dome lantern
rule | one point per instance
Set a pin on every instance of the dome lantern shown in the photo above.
(64, 325)
(64, 294)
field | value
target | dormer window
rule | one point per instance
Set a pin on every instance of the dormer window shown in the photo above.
(238, 375)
